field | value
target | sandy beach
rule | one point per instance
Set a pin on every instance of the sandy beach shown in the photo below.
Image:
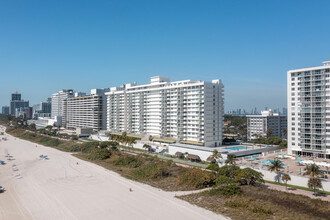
(59, 188)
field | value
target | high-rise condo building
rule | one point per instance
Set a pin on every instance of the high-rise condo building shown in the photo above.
(268, 123)
(87, 111)
(309, 111)
(189, 111)
(17, 103)
(58, 102)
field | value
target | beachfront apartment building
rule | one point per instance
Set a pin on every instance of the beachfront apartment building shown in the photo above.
(86, 111)
(268, 122)
(58, 108)
(309, 111)
(189, 111)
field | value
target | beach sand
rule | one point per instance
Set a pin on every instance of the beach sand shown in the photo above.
(59, 188)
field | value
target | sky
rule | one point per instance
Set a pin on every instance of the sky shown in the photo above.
(50, 45)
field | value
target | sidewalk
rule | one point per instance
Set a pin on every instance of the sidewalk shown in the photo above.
(297, 191)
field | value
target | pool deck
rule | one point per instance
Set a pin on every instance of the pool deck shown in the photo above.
(292, 165)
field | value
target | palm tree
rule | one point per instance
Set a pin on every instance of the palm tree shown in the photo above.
(215, 155)
(231, 159)
(312, 170)
(270, 132)
(314, 183)
(147, 147)
(286, 178)
(276, 165)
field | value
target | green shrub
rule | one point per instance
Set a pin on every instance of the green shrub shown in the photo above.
(86, 147)
(258, 209)
(196, 178)
(229, 171)
(98, 154)
(213, 166)
(75, 148)
(236, 204)
(129, 161)
(151, 171)
(224, 181)
(106, 144)
(249, 176)
(226, 191)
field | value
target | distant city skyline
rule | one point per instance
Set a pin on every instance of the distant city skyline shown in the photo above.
(48, 46)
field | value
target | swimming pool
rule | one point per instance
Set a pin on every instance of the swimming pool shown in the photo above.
(269, 162)
(236, 148)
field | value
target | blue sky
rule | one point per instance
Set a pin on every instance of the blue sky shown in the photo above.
(49, 45)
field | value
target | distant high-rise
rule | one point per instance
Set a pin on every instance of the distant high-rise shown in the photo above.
(16, 96)
(5, 110)
(16, 103)
(260, 125)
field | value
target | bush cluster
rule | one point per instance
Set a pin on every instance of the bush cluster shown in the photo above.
(129, 161)
(151, 171)
(196, 178)
(98, 154)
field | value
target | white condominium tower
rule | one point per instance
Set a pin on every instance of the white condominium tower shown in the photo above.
(309, 111)
(190, 111)
(87, 111)
(58, 100)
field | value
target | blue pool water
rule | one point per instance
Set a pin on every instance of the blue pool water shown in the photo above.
(236, 148)
(268, 162)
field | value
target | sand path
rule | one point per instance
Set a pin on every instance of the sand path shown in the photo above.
(58, 188)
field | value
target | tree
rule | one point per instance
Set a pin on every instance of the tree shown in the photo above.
(285, 132)
(314, 183)
(150, 138)
(32, 127)
(147, 147)
(231, 159)
(283, 144)
(270, 132)
(276, 165)
(49, 127)
(313, 170)
(215, 155)
(286, 178)
(228, 171)
(248, 176)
